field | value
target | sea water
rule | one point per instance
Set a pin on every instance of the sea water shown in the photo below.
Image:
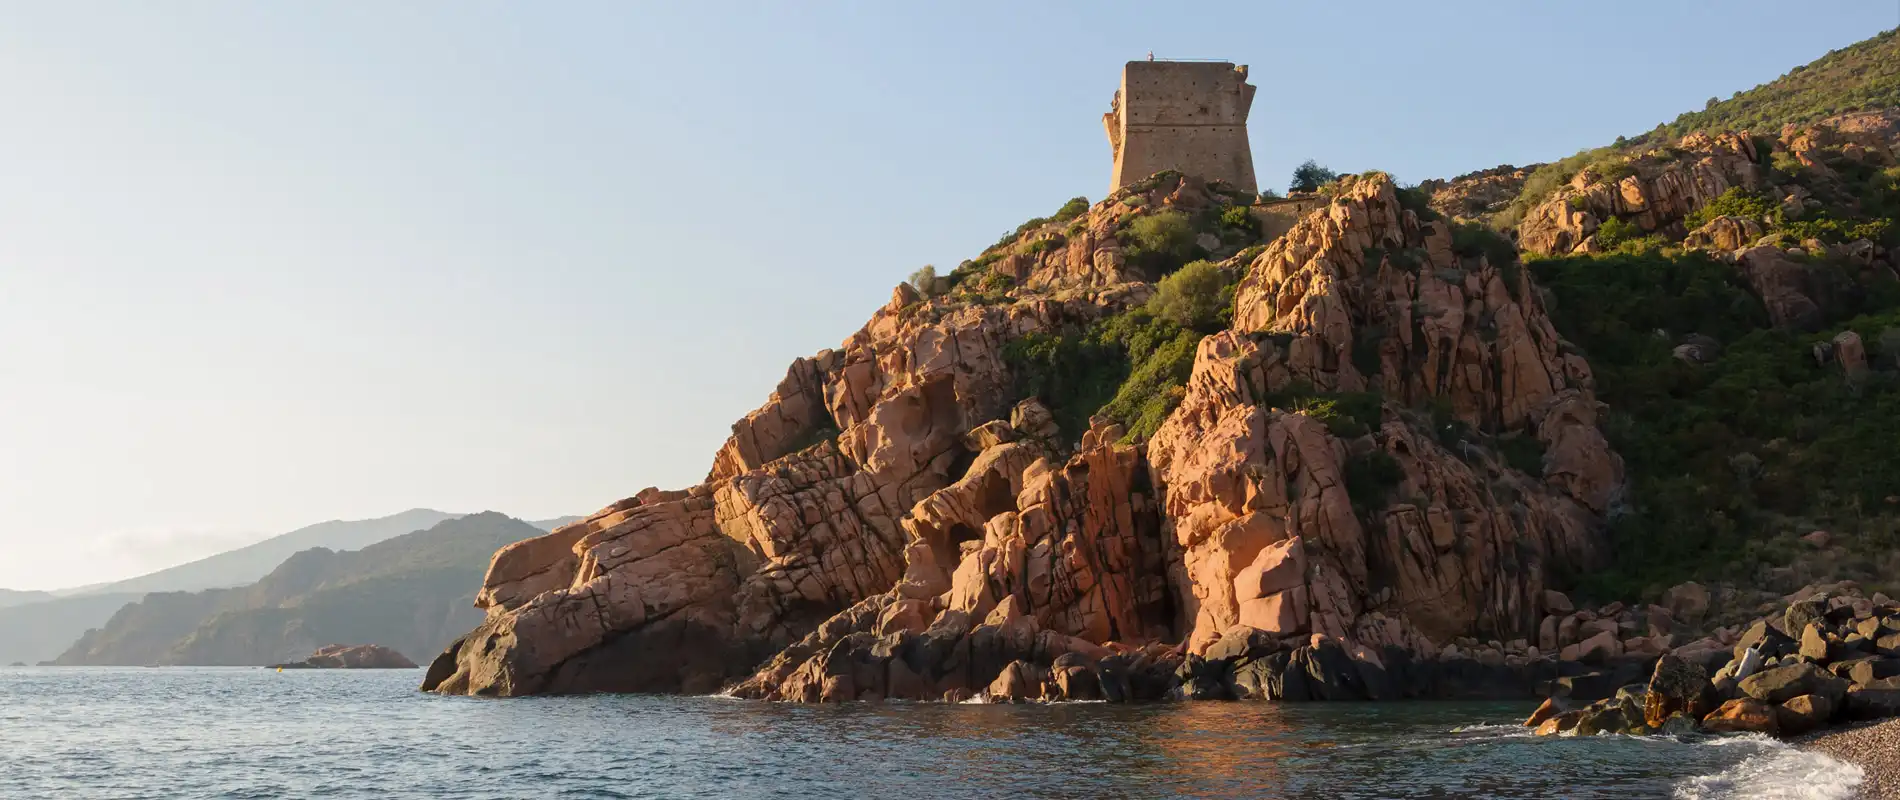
(255, 733)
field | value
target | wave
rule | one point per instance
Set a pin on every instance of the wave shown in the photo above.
(1774, 771)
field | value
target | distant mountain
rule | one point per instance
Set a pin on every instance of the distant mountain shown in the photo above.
(413, 593)
(551, 524)
(9, 597)
(37, 632)
(249, 563)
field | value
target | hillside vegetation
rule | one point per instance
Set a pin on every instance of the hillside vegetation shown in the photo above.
(1861, 77)
(1759, 437)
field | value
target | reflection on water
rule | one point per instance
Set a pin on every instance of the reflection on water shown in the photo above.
(256, 733)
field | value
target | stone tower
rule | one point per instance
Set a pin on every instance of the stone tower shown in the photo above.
(1189, 116)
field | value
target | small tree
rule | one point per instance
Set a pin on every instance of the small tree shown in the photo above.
(1192, 297)
(1308, 177)
(924, 280)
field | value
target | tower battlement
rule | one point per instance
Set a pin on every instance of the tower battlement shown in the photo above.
(1188, 116)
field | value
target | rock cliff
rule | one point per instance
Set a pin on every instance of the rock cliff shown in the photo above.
(1387, 448)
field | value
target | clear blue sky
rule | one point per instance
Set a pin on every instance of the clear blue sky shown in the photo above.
(265, 264)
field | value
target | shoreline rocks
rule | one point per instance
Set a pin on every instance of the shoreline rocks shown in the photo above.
(343, 656)
(1818, 662)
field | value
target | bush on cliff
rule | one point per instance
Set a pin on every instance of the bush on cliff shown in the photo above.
(1198, 297)
(925, 281)
(1736, 202)
(1130, 367)
(1160, 242)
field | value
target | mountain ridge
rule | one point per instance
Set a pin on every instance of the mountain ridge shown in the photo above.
(408, 592)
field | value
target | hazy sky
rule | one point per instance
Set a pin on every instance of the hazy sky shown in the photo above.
(267, 264)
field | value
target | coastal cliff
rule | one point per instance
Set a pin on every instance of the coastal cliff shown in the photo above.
(1329, 462)
(1143, 448)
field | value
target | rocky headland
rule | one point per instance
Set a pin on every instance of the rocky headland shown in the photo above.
(1168, 446)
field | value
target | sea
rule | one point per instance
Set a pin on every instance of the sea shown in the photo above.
(257, 733)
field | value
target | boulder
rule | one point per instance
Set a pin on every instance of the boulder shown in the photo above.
(1557, 603)
(1802, 714)
(1595, 650)
(1561, 723)
(1767, 640)
(1676, 687)
(1781, 684)
(1866, 704)
(1801, 613)
(1546, 710)
(1814, 644)
(1724, 234)
(1020, 682)
(1688, 602)
(1742, 715)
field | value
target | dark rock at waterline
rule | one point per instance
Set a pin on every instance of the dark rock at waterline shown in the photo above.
(361, 656)
(1676, 687)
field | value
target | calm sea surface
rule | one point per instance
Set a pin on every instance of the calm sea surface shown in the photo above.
(244, 733)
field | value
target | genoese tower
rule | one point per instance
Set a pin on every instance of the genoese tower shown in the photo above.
(1188, 116)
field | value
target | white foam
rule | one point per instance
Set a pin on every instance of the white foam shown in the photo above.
(1774, 771)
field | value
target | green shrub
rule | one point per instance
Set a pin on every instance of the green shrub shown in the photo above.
(1076, 207)
(1239, 218)
(1161, 241)
(1471, 240)
(1615, 232)
(1346, 414)
(1736, 202)
(1370, 478)
(1419, 202)
(1308, 177)
(1831, 230)
(1130, 367)
(1192, 297)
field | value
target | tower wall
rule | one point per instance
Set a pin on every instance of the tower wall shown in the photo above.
(1185, 116)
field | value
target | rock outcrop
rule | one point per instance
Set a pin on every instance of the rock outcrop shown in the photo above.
(1656, 190)
(1828, 655)
(351, 656)
(900, 521)
(1653, 190)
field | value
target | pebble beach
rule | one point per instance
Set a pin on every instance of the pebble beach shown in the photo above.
(1876, 748)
